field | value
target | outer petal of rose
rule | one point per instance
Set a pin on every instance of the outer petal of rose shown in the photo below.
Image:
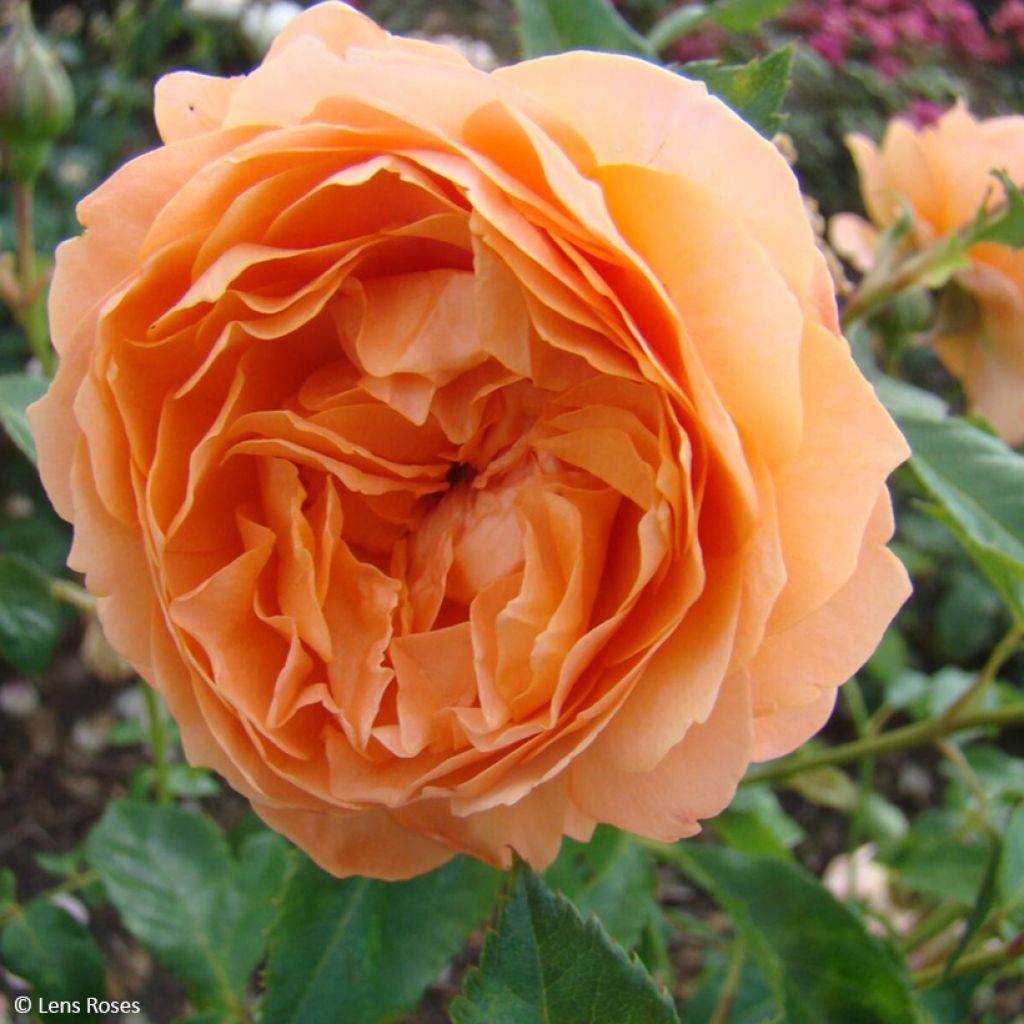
(369, 843)
(794, 668)
(854, 239)
(989, 357)
(962, 152)
(695, 780)
(825, 496)
(532, 826)
(187, 104)
(682, 132)
(900, 169)
(340, 27)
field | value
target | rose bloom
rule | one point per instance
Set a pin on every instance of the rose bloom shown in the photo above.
(467, 458)
(944, 173)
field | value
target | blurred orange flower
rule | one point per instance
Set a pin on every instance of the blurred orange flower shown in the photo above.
(944, 173)
(467, 458)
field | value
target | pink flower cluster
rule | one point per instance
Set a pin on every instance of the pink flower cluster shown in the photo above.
(1009, 21)
(890, 34)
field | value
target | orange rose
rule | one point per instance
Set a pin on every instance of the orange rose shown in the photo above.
(467, 458)
(944, 173)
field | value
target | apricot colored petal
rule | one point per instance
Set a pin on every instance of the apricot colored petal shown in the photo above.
(188, 104)
(361, 843)
(532, 827)
(850, 443)
(682, 131)
(900, 169)
(681, 683)
(988, 358)
(695, 779)
(854, 239)
(676, 225)
(794, 667)
(341, 28)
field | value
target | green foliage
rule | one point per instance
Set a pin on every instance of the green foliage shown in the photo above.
(56, 955)
(17, 392)
(611, 878)
(553, 26)
(756, 823)
(755, 90)
(181, 893)
(803, 940)
(978, 482)
(360, 950)
(30, 617)
(545, 965)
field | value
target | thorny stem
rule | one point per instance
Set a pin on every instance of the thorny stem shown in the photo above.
(957, 717)
(933, 923)
(915, 735)
(158, 741)
(72, 594)
(983, 960)
(74, 882)
(28, 280)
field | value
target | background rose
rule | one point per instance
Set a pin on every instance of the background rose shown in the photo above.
(944, 173)
(466, 458)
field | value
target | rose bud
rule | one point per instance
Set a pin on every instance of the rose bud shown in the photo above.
(36, 100)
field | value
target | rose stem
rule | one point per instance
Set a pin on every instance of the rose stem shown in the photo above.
(25, 272)
(955, 718)
(158, 741)
(983, 960)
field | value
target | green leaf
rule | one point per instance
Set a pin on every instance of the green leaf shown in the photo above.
(1011, 868)
(171, 876)
(56, 955)
(1005, 224)
(755, 90)
(936, 860)
(756, 823)
(733, 15)
(30, 617)
(357, 949)
(746, 15)
(979, 484)
(554, 26)
(803, 939)
(610, 877)
(545, 965)
(17, 392)
(8, 890)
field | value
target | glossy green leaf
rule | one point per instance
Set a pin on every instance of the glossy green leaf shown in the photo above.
(755, 90)
(545, 965)
(610, 877)
(17, 392)
(554, 26)
(56, 955)
(978, 482)
(358, 949)
(803, 940)
(171, 876)
(30, 617)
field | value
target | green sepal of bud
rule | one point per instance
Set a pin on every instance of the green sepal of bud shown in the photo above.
(36, 100)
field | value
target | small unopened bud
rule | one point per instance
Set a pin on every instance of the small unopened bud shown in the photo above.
(36, 100)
